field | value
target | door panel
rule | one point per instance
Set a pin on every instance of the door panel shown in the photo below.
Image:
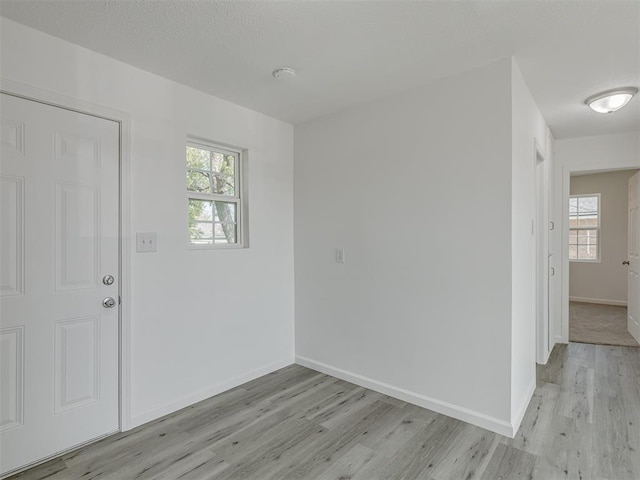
(633, 282)
(11, 241)
(58, 238)
(77, 236)
(77, 376)
(11, 377)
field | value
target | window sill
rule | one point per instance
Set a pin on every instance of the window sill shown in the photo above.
(208, 248)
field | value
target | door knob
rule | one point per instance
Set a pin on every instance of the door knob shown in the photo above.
(625, 262)
(108, 279)
(109, 302)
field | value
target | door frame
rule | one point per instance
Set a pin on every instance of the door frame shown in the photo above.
(565, 178)
(123, 119)
(541, 253)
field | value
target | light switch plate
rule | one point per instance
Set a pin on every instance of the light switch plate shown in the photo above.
(340, 255)
(146, 242)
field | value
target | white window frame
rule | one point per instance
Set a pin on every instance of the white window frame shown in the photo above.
(597, 229)
(238, 198)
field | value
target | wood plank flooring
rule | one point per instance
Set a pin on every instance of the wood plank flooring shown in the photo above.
(583, 423)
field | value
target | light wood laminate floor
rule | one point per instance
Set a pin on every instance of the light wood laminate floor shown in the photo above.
(583, 423)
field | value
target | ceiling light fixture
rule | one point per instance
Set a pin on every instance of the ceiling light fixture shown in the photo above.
(283, 73)
(611, 100)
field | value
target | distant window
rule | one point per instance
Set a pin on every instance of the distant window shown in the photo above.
(214, 196)
(584, 227)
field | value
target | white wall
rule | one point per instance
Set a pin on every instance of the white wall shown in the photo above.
(586, 154)
(417, 189)
(530, 138)
(201, 321)
(604, 281)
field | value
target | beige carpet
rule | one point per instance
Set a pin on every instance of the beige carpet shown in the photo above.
(601, 324)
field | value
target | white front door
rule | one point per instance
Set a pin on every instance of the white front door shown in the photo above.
(633, 282)
(58, 241)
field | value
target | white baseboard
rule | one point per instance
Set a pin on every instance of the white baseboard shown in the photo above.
(479, 419)
(602, 301)
(523, 409)
(561, 339)
(545, 360)
(200, 395)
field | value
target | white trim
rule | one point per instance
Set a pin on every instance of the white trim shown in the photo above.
(541, 280)
(564, 254)
(517, 420)
(493, 424)
(187, 400)
(124, 120)
(601, 301)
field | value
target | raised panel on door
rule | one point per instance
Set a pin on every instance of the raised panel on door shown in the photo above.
(11, 377)
(77, 245)
(59, 237)
(12, 136)
(12, 235)
(77, 363)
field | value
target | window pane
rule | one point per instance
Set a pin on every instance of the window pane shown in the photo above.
(225, 212)
(225, 233)
(587, 252)
(588, 221)
(587, 205)
(224, 170)
(198, 182)
(573, 252)
(201, 233)
(225, 219)
(573, 206)
(224, 164)
(200, 210)
(587, 237)
(573, 237)
(223, 185)
(198, 158)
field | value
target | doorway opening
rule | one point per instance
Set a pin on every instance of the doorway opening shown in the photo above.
(598, 240)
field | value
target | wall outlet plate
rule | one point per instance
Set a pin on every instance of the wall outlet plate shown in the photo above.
(146, 242)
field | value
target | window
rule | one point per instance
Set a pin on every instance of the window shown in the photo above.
(214, 196)
(584, 227)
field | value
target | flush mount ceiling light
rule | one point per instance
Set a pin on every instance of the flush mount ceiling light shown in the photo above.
(611, 100)
(283, 73)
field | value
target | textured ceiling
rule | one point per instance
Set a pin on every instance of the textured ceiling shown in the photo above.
(349, 52)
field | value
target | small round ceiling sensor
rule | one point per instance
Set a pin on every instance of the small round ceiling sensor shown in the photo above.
(283, 73)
